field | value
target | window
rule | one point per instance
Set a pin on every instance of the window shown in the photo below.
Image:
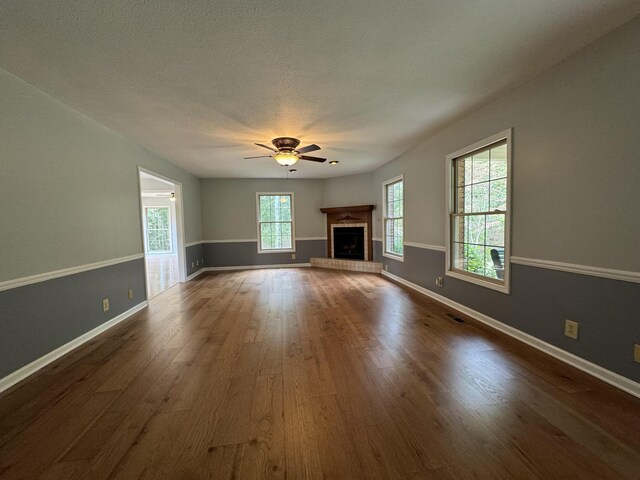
(275, 222)
(478, 220)
(393, 191)
(158, 229)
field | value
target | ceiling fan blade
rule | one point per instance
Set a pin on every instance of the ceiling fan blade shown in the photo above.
(308, 148)
(266, 146)
(260, 156)
(313, 159)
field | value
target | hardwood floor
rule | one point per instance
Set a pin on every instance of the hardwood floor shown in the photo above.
(162, 273)
(311, 374)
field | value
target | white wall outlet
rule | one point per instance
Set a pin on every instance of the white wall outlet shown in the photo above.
(130, 294)
(197, 263)
(193, 264)
(293, 256)
(386, 267)
(636, 352)
(105, 304)
(571, 329)
(439, 281)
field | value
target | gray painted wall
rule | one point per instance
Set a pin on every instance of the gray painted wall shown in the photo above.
(36, 319)
(575, 161)
(350, 190)
(195, 254)
(68, 197)
(575, 194)
(575, 176)
(246, 254)
(229, 206)
(539, 303)
(69, 186)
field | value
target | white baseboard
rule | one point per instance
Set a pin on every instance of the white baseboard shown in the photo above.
(256, 267)
(612, 378)
(194, 275)
(246, 267)
(41, 362)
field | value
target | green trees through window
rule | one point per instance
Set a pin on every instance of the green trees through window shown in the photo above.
(480, 209)
(275, 221)
(158, 229)
(394, 221)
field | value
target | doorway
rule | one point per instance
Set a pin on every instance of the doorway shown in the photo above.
(162, 232)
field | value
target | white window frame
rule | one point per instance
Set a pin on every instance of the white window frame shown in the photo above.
(146, 231)
(293, 224)
(384, 217)
(504, 285)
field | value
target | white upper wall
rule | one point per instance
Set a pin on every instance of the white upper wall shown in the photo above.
(576, 170)
(69, 186)
(229, 206)
(575, 174)
(147, 183)
(349, 190)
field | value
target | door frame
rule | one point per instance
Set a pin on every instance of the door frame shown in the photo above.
(180, 247)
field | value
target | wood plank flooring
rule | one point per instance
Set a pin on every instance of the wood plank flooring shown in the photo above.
(162, 273)
(311, 374)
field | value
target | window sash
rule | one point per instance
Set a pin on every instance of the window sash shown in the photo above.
(159, 236)
(276, 234)
(394, 223)
(479, 190)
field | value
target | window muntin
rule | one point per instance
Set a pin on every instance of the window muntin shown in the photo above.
(479, 217)
(158, 221)
(275, 222)
(394, 218)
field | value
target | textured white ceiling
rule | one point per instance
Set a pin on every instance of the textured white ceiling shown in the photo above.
(199, 81)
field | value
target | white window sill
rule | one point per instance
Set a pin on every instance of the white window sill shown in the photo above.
(499, 287)
(393, 257)
(288, 250)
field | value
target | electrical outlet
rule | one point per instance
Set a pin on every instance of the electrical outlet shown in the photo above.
(439, 281)
(197, 263)
(636, 353)
(571, 329)
(130, 294)
(293, 256)
(386, 267)
(193, 264)
(105, 304)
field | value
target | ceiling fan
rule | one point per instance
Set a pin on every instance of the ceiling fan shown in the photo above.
(287, 152)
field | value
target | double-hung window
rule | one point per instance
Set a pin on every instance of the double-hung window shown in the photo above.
(393, 192)
(479, 213)
(275, 222)
(158, 223)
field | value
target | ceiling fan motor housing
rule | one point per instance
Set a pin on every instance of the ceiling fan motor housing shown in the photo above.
(285, 143)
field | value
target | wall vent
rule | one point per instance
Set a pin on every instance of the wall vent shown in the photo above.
(454, 318)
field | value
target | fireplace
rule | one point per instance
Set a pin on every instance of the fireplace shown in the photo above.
(348, 242)
(349, 232)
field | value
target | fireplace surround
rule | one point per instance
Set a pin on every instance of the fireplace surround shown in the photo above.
(342, 221)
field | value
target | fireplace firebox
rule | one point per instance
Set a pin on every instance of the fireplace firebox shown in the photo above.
(349, 231)
(348, 242)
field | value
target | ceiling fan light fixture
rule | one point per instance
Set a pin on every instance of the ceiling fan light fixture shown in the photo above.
(333, 162)
(286, 158)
